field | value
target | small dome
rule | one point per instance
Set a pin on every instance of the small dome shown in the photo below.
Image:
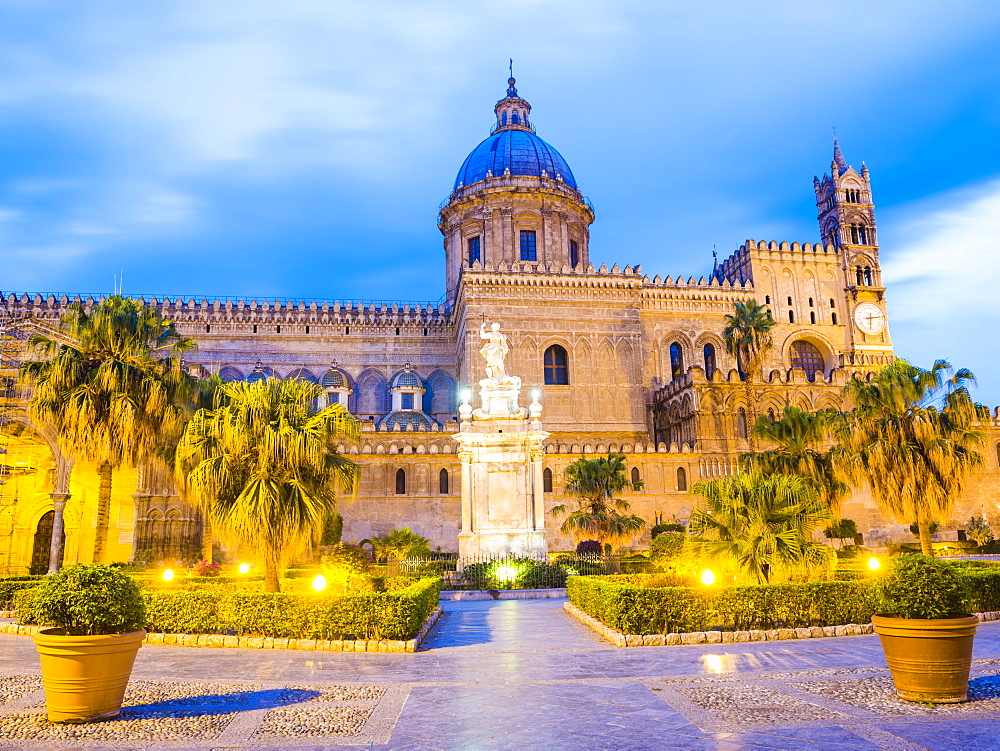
(334, 378)
(520, 151)
(406, 379)
(408, 418)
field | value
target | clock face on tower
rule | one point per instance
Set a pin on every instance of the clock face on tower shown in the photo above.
(870, 318)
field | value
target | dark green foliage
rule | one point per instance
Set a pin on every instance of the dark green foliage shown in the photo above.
(919, 586)
(396, 613)
(638, 604)
(24, 604)
(666, 547)
(10, 585)
(842, 529)
(932, 528)
(333, 530)
(589, 547)
(89, 600)
(515, 573)
(659, 529)
(352, 558)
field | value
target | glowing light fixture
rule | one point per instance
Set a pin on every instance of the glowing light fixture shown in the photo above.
(506, 572)
(535, 394)
(874, 564)
(319, 583)
(707, 577)
(244, 568)
(168, 575)
(466, 394)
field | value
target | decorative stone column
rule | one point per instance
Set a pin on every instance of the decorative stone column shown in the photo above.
(500, 446)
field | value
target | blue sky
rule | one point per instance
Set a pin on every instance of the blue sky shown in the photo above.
(301, 149)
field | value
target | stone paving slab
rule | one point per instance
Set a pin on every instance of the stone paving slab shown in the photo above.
(517, 674)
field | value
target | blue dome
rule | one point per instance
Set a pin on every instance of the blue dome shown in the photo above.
(407, 379)
(407, 419)
(521, 151)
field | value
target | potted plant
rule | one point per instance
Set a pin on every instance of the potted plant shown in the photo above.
(97, 613)
(927, 630)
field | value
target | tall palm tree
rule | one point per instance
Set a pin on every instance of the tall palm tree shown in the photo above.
(747, 335)
(595, 482)
(911, 435)
(762, 523)
(112, 391)
(799, 437)
(263, 465)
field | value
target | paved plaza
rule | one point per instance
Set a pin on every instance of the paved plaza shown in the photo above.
(512, 675)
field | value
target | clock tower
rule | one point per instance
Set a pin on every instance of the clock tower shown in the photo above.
(846, 215)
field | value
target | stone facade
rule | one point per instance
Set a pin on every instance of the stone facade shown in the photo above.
(624, 361)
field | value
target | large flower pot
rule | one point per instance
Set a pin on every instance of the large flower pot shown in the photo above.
(85, 676)
(929, 659)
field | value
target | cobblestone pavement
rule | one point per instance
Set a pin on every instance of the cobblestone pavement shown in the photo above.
(513, 675)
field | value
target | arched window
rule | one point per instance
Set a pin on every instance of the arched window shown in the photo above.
(998, 454)
(833, 303)
(791, 316)
(812, 317)
(833, 318)
(807, 358)
(503, 119)
(861, 276)
(676, 361)
(741, 423)
(789, 300)
(770, 414)
(546, 480)
(709, 351)
(810, 302)
(868, 276)
(636, 477)
(400, 482)
(682, 479)
(443, 488)
(556, 366)
(767, 299)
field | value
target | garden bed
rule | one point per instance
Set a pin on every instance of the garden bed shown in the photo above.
(624, 605)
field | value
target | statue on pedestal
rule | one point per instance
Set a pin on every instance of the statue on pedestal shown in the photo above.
(494, 350)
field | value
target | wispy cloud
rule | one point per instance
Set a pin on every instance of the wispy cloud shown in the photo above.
(943, 276)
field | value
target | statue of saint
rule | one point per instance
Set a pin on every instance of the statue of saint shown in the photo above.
(494, 349)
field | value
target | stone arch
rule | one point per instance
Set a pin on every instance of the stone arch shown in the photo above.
(441, 393)
(230, 373)
(302, 374)
(820, 342)
(371, 397)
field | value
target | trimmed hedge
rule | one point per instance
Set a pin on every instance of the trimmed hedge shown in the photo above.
(397, 614)
(11, 585)
(624, 604)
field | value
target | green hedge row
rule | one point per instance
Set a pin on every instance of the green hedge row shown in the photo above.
(395, 614)
(622, 603)
(11, 585)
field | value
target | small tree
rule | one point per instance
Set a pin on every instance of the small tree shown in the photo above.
(761, 523)
(748, 338)
(979, 530)
(840, 530)
(595, 482)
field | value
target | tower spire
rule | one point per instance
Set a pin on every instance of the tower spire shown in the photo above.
(838, 157)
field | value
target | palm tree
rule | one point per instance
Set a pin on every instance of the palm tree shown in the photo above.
(595, 482)
(399, 545)
(113, 391)
(263, 466)
(748, 338)
(798, 436)
(762, 523)
(911, 435)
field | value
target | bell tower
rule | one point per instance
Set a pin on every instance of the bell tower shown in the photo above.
(846, 214)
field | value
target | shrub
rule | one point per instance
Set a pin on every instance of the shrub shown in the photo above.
(919, 586)
(24, 604)
(515, 573)
(11, 585)
(666, 547)
(351, 558)
(659, 529)
(589, 547)
(89, 600)
(204, 568)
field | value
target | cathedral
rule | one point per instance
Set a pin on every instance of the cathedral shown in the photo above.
(624, 360)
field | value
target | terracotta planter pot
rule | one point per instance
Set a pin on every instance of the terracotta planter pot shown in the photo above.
(85, 676)
(929, 659)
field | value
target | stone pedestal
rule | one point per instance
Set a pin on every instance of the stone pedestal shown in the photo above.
(501, 453)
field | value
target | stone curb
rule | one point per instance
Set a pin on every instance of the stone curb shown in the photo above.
(728, 637)
(471, 595)
(261, 642)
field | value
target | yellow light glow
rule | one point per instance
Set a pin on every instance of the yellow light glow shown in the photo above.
(714, 663)
(874, 564)
(319, 583)
(244, 568)
(168, 575)
(506, 573)
(707, 577)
